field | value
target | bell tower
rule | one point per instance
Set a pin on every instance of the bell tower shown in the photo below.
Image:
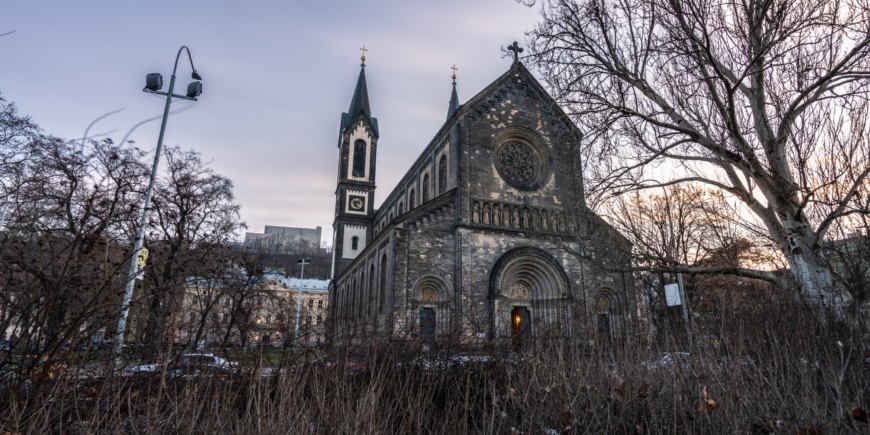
(355, 192)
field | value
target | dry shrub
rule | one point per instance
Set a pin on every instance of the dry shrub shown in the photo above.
(784, 369)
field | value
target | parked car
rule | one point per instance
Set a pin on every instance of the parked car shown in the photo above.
(351, 363)
(30, 367)
(187, 360)
(196, 371)
(669, 360)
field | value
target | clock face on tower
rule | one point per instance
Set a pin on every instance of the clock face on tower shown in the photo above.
(357, 203)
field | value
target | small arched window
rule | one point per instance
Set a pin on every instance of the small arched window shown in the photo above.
(371, 284)
(401, 208)
(383, 290)
(442, 175)
(412, 200)
(425, 188)
(354, 243)
(391, 216)
(359, 158)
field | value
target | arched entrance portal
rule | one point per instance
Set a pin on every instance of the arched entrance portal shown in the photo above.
(432, 296)
(530, 295)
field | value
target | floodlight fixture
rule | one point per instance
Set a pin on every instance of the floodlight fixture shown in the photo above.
(154, 82)
(194, 89)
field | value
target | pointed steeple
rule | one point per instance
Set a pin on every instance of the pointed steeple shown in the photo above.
(454, 99)
(360, 99)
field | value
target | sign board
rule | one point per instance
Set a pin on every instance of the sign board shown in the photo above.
(141, 258)
(672, 295)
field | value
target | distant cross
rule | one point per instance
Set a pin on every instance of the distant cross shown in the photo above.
(364, 50)
(454, 71)
(516, 49)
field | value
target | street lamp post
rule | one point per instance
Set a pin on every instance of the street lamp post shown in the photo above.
(303, 262)
(5, 203)
(153, 83)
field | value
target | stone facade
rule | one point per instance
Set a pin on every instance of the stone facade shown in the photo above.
(486, 237)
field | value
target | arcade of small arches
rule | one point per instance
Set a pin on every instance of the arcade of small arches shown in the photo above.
(519, 217)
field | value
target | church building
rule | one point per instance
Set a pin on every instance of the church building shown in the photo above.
(486, 238)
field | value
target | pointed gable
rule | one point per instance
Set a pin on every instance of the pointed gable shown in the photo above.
(480, 103)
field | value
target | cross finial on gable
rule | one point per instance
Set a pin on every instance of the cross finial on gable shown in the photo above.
(516, 49)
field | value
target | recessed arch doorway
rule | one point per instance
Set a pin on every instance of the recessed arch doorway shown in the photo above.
(529, 294)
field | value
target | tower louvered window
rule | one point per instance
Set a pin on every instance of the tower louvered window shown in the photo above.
(359, 158)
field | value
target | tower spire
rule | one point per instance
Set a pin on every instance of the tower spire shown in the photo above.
(360, 100)
(454, 99)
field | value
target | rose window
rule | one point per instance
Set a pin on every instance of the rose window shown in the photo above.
(517, 163)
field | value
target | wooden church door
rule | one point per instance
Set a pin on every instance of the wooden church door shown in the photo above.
(427, 325)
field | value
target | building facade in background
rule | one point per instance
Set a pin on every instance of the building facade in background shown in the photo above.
(263, 315)
(484, 237)
(283, 240)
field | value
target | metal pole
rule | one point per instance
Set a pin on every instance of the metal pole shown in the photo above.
(683, 298)
(140, 233)
(5, 204)
(298, 306)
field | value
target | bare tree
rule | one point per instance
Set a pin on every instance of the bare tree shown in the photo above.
(60, 251)
(763, 100)
(194, 217)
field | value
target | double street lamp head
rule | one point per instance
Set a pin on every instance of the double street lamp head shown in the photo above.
(154, 82)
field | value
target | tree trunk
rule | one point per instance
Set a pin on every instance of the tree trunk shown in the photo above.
(813, 276)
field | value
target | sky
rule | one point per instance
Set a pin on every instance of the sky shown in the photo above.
(276, 77)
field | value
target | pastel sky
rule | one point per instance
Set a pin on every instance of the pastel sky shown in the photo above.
(276, 77)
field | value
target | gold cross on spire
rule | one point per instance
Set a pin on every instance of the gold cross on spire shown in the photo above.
(454, 72)
(363, 57)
